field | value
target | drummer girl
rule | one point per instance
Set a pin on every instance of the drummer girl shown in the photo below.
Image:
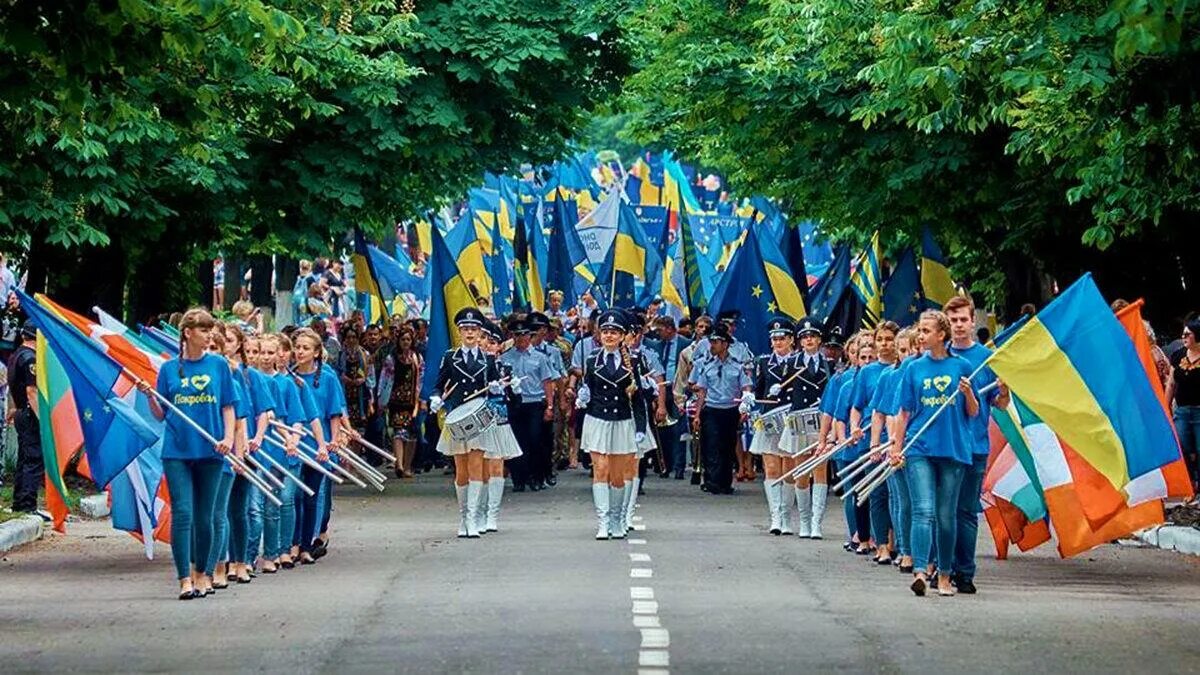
(200, 385)
(771, 371)
(939, 454)
(465, 371)
(500, 444)
(612, 422)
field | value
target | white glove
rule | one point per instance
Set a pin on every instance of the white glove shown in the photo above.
(747, 398)
(649, 383)
(435, 404)
(494, 388)
(774, 390)
(583, 397)
(639, 437)
(515, 382)
(745, 407)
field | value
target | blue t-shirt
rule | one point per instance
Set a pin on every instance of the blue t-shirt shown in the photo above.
(261, 393)
(975, 355)
(865, 386)
(893, 404)
(829, 399)
(204, 389)
(881, 399)
(925, 386)
(290, 410)
(841, 413)
(327, 398)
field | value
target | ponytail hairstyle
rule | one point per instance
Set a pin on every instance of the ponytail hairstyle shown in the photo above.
(240, 337)
(196, 317)
(318, 346)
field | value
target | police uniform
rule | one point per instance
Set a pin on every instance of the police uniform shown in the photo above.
(526, 410)
(814, 371)
(542, 468)
(723, 382)
(22, 367)
(612, 421)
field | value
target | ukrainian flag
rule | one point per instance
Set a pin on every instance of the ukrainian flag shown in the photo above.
(448, 294)
(754, 286)
(1078, 371)
(935, 278)
(867, 282)
(467, 251)
(366, 283)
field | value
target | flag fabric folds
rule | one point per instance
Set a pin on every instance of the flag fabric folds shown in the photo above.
(448, 294)
(867, 282)
(936, 283)
(366, 284)
(828, 289)
(746, 286)
(902, 299)
(1077, 369)
(114, 432)
(58, 425)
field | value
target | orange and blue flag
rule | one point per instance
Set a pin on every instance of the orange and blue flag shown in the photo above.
(1077, 370)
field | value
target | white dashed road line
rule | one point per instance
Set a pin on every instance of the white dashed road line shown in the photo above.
(654, 656)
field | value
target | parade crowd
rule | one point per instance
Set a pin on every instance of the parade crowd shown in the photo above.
(621, 393)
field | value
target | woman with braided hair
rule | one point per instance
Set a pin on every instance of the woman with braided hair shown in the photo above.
(322, 384)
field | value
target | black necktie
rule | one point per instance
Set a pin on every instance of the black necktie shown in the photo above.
(471, 360)
(612, 363)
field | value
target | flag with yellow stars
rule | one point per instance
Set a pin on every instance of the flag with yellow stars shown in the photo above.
(756, 285)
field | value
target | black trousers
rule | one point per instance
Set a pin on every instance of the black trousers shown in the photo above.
(718, 440)
(526, 422)
(29, 473)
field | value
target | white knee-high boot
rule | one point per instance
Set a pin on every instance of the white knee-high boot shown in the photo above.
(495, 494)
(631, 495)
(785, 509)
(616, 512)
(460, 491)
(600, 499)
(804, 506)
(772, 492)
(474, 492)
(481, 508)
(819, 492)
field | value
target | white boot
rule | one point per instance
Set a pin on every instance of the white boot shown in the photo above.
(460, 491)
(474, 491)
(631, 495)
(600, 501)
(616, 512)
(819, 492)
(481, 507)
(772, 492)
(785, 509)
(495, 494)
(804, 506)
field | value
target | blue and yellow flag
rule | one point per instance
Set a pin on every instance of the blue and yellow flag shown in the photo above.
(367, 292)
(750, 287)
(902, 299)
(468, 253)
(867, 282)
(936, 283)
(831, 285)
(784, 287)
(631, 259)
(448, 294)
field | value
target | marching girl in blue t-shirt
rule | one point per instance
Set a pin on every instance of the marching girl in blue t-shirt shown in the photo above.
(937, 455)
(219, 344)
(860, 516)
(883, 419)
(326, 393)
(862, 411)
(200, 385)
(281, 543)
(828, 408)
(261, 406)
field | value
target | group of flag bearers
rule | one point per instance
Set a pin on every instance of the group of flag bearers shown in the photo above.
(255, 435)
(903, 417)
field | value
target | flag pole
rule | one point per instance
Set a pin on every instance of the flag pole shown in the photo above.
(233, 461)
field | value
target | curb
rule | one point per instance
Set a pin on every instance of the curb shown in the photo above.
(1173, 538)
(94, 506)
(19, 531)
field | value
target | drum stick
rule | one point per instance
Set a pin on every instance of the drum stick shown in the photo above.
(868, 479)
(485, 388)
(852, 475)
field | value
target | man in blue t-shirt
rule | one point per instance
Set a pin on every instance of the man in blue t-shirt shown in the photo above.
(961, 312)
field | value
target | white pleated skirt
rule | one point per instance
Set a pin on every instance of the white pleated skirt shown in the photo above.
(608, 438)
(450, 447)
(791, 442)
(765, 443)
(499, 443)
(647, 444)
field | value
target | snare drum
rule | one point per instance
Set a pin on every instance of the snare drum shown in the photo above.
(771, 422)
(469, 420)
(805, 425)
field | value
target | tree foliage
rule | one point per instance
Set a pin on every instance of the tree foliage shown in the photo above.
(148, 134)
(1032, 136)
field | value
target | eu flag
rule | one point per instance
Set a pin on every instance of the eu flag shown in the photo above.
(114, 432)
(831, 285)
(902, 294)
(746, 287)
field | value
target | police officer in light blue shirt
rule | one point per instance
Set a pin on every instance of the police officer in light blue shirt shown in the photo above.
(539, 327)
(738, 351)
(526, 417)
(723, 387)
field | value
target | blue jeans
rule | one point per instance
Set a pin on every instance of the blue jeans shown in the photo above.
(325, 501)
(1187, 425)
(192, 484)
(933, 486)
(858, 518)
(239, 519)
(968, 517)
(279, 522)
(901, 510)
(255, 510)
(219, 551)
(881, 517)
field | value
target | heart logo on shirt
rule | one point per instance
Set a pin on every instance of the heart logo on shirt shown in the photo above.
(200, 381)
(941, 382)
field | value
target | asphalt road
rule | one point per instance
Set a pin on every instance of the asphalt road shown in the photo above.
(701, 589)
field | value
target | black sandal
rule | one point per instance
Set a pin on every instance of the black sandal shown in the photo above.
(918, 587)
(187, 595)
